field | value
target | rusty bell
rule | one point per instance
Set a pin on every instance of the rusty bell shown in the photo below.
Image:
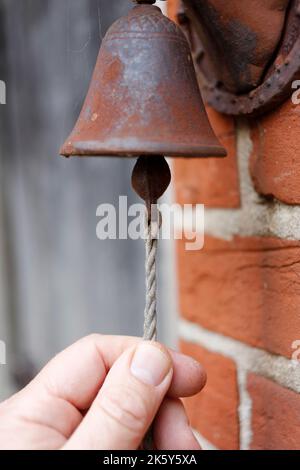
(144, 97)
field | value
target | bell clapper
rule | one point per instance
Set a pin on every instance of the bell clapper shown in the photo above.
(150, 179)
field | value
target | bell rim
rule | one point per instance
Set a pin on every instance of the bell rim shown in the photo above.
(99, 149)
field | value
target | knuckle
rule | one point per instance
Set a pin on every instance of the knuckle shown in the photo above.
(126, 407)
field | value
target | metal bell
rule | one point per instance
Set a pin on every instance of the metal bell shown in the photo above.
(144, 97)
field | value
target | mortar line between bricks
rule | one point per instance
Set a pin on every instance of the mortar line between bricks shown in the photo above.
(244, 409)
(257, 216)
(205, 444)
(284, 371)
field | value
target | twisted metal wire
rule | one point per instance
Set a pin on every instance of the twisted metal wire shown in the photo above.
(150, 314)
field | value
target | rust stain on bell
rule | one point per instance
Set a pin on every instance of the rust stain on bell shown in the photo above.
(144, 97)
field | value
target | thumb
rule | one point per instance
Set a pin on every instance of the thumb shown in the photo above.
(127, 402)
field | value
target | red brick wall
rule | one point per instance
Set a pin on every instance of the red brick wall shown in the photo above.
(239, 297)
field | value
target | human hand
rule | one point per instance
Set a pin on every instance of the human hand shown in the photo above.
(102, 393)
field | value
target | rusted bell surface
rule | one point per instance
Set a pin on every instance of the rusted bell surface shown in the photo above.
(144, 98)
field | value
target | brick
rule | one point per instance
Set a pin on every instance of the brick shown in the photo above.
(247, 288)
(210, 181)
(213, 412)
(275, 415)
(274, 164)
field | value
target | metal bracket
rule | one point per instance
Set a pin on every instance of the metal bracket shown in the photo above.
(246, 59)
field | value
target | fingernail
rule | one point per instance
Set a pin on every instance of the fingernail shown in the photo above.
(150, 365)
